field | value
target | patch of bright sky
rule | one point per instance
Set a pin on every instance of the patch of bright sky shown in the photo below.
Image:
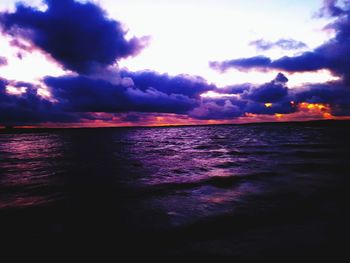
(30, 68)
(187, 34)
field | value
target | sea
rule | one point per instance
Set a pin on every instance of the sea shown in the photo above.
(257, 191)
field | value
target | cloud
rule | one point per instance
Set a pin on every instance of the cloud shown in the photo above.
(330, 8)
(153, 100)
(3, 83)
(3, 61)
(216, 110)
(335, 94)
(150, 92)
(191, 86)
(81, 99)
(333, 55)
(84, 94)
(98, 91)
(285, 44)
(242, 63)
(248, 98)
(273, 91)
(160, 93)
(281, 79)
(29, 107)
(80, 96)
(77, 35)
(308, 61)
(82, 38)
(280, 100)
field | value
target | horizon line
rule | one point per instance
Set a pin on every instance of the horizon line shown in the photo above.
(319, 121)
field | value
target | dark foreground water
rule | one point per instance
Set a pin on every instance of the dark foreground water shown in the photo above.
(251, 192)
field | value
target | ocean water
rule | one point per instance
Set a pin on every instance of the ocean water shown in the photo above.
(249, 191)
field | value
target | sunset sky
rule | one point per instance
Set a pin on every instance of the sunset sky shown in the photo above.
(140, 62)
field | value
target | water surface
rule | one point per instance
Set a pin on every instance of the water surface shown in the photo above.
(238, 191)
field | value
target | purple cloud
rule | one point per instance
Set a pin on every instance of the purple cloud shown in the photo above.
(335, 93)
(77, 35)
(99, 88)
(273, 91)
(83, 94)
(330, 8)
(308, 61)
(286, 44)
(242, 63)
(248, 98)
(3, 61)
(333, 55)
(29, 107)
(191, 86)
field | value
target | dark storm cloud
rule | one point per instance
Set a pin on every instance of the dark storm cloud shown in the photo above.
(275, 92)
(248, 98)
(90, 46)
(308, 61)
(191, 86)
(155, 93)
(79, 97)
(272, 91)
(77, 35)
(286, 44)
(281, 107)
(153, 100)
(281, 78)
(83, 94)
(82, 39)
(231, 108)
(29, 107)
(335, 94)
(269, 92)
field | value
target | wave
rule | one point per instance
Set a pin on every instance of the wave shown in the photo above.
(216, 181)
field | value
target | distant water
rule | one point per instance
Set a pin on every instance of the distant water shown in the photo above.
(240, 191)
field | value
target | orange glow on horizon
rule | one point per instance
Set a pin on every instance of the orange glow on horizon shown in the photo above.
(306, 111)
(317, 108)
(323, 110)
(250, 115)
(314, 106)
(278, 115)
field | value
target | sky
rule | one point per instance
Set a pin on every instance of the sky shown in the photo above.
(94, 63)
